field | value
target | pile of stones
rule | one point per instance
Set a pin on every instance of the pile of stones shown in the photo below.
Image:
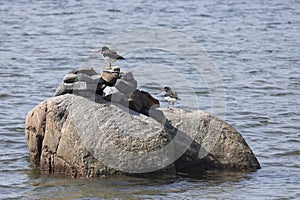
(111, 85)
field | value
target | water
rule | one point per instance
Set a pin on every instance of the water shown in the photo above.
(254, 44)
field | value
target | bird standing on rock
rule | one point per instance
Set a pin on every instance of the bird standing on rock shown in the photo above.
(109, 55)
(170, 96)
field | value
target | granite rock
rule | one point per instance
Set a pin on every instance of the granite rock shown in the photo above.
(70, 78)
(75, 136)
(126, 87)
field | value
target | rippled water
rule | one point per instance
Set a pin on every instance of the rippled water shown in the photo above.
(255, 45)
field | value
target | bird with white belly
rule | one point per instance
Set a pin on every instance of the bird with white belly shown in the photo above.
(109, 55)
(170, 96)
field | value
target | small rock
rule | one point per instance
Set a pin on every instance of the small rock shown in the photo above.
(149, 101)
(110, 77)
(135, 102)
(113, 94)
(142, 102)
(110, 74)
(96, 78)
(128, 76)
(70, 78)
(85, 78)
(112, 69)
(63, 89)
(125, 87)
(77, 88)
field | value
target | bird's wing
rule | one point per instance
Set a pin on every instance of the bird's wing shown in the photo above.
(174, 95)
(112, 54)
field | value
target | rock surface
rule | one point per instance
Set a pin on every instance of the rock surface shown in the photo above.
(73, 135)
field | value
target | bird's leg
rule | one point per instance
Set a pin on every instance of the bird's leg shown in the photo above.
(168, 105)
(110, 64)
(173, 104)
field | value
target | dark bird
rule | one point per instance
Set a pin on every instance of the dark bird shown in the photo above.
(170, 96)
(109, 55)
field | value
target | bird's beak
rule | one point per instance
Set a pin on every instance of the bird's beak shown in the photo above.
(162, 90)
(100, 50)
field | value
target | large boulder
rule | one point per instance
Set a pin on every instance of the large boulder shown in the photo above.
(76, 136)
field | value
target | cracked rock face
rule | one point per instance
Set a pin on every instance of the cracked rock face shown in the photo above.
(78, 137)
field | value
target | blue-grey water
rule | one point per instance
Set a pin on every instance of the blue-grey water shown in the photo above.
(254, 44)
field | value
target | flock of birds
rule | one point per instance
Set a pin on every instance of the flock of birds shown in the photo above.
(112, 56)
